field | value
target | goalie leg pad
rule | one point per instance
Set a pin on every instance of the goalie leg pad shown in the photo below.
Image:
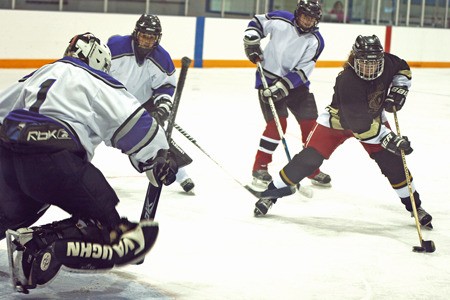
(32, 256)
(130, 244)
(36, 254)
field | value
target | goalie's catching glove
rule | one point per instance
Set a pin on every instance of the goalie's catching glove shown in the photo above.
(162, 169)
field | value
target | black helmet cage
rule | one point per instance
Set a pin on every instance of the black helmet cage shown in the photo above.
(368, 57)
(148, 24)
(310, 8)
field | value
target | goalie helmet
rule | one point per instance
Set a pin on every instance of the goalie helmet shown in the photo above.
(368, 61)
(147, 32)
(90, 50)
(308, 14)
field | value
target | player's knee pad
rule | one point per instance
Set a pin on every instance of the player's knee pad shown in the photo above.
(391, 166)
(302, 165)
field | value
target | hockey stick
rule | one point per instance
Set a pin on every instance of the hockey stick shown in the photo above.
(307, 192)
(425, 246)
(194, 141)
(153, 193)
(274, 111)
(278, 193)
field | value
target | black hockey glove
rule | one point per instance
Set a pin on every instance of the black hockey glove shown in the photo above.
(395, 144)
(396, 98)
(277, 91)
(162, 169)
(253, 49)
(161, 110)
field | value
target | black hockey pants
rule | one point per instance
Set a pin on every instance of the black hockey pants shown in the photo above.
(31, 181)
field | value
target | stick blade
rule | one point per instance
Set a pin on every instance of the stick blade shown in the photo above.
(427, 247)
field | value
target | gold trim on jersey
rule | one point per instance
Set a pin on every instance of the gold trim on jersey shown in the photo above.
(373, 131)
(406, 73)
(335, 122)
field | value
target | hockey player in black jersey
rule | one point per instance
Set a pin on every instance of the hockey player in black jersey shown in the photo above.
(372, 82)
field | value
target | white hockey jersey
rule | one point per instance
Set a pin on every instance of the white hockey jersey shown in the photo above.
(290, 53)
(93, 104)
(154, 77)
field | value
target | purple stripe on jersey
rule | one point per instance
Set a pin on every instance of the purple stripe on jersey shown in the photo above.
(136, 134)
(166, 89)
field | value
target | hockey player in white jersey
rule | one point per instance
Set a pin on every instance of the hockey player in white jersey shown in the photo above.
(147, 71)
(51, 122)
(288, 61)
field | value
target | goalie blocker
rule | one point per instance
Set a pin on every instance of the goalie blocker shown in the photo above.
(36, 254)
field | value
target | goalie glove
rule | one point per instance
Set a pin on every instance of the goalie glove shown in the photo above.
(277, 91)
(253, 49)
(161, 109)
(162, 169)
(394, 143)
(396, 98)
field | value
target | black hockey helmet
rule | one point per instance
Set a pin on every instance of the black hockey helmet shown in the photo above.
(368, 57)
(309, 8)
(147, 25)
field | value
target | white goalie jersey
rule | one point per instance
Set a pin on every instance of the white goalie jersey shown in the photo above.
(91, 104)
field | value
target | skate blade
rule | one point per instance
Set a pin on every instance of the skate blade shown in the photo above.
(259, 184)
(12, 247)
(257, 213)
(320, 184)
(306, 191)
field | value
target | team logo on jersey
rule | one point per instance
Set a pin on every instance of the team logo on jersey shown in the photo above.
(376, 99)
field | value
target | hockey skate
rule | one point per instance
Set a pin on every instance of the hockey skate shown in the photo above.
(424, 218)
(262, 206)
(187, 185)
(269, 197)
(321, 179)
(29, 265)
(261, 179)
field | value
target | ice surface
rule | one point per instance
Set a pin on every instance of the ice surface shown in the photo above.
(352, 241)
